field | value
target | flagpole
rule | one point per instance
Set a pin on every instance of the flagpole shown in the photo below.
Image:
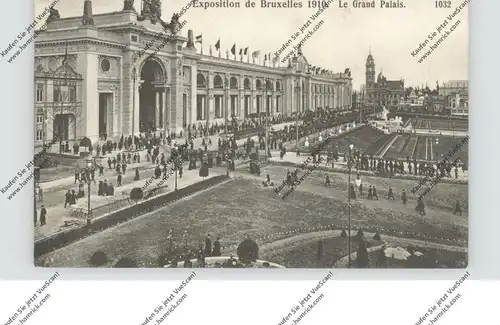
(201, 46)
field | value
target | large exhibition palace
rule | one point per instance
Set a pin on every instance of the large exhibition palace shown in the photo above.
(131, 71)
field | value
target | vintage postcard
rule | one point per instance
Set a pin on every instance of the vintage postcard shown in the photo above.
(249, 134)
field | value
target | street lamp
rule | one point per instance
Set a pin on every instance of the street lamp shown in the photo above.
(176, 167)
(297, 89)
(226, 90)
(89, 162)
(350, 162)
(134, 77)
(268, 91)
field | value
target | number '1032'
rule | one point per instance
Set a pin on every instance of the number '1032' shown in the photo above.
(443, 4)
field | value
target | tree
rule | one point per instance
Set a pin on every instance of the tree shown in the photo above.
(136, 194)
(248, 251)
(343, 233)
(377, 236)
(362, 259)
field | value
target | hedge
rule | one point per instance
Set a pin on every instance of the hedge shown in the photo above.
(64, 238)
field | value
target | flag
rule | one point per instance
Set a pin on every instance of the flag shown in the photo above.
(241, 51)
(317, 70)
(265, 57)
(199, 39)
(255, 54)
(217, 45)
(246, 51)
(233, 49)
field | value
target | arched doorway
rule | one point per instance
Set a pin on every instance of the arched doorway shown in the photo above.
(150, 99)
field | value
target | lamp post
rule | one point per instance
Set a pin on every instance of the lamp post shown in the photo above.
(176, 165)
(267, 92)
(349, 166)
(226, 91)
(134, 77)
(297, 89)
(88, 169)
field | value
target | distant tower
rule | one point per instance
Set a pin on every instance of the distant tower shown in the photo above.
(370, 71)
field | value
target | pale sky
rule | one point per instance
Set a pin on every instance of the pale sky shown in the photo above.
(343, 41)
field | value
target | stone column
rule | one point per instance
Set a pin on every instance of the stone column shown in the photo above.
(87, 65)
(157, 110)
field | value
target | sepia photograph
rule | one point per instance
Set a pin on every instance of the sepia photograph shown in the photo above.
(248, 134)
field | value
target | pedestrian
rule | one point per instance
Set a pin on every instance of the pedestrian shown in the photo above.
(208, 246)
(40, 194)
(458, 208)
(374, 193)
(404, 197)
(217, 251)
(390, 195)
(43, 215)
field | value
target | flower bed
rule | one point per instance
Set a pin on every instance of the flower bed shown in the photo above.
(71, 235)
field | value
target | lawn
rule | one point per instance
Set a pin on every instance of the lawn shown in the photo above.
(243, 209)
(305, 255)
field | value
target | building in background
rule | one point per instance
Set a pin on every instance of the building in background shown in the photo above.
(456, 93)
(382, 92)
(86, 86)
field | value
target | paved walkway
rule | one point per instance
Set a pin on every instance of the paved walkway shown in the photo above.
(59, 218)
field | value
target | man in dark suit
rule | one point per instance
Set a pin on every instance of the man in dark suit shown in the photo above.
(217, 251)
(208, 246)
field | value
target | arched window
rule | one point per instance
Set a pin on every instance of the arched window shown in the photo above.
(258, 84)
(246, 84)
(233, 83)
(278, 86)
(269, 85)
(218, 82)
(201, 82)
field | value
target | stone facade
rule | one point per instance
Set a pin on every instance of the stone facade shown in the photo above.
(122, 76)
(381, 92)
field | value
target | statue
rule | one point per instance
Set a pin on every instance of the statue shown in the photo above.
(128, 5)
(348, 72)
(53, 15)
(155, 9)
(210, 50)
(174, 26)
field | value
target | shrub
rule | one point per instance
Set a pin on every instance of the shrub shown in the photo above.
(136, 194)
(248, 251)
(98, 259)
(377, 236)
(343, 233)
(362, 259)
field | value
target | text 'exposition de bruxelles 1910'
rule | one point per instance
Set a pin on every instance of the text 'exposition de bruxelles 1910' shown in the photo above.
(298, 4)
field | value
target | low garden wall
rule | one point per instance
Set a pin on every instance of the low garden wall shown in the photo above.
(63, 238)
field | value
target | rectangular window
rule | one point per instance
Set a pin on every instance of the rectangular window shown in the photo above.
(72, 93)
(39, 135)
(57, 94)
(39, 93)
(134, 38)
(39, 119)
